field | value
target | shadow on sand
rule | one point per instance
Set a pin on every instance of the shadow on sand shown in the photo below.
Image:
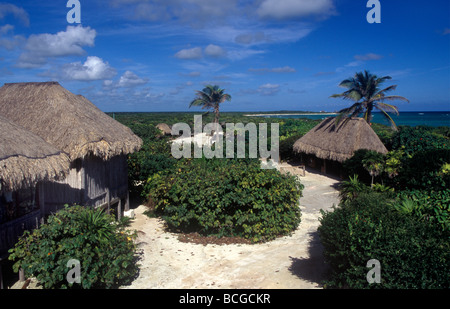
(312, 269)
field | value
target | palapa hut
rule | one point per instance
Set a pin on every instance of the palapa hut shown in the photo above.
(164, 128)
(96, 144)
(25, 160)
(327, 144)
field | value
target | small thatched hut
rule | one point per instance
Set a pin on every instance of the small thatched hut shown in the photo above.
(96, 144)
(164, 128)
(25, 160)
(328, 143)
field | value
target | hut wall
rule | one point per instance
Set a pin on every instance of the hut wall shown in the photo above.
(91, 181)
(12, 230)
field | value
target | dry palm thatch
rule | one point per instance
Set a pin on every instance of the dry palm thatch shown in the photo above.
(25, 158)
(67, 121)
(338, 142)
(164, 128)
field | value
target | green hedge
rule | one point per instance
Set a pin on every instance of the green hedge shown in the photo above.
(412, 253)
(105, 249)
(226, 197)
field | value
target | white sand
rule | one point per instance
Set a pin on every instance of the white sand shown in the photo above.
(291, 262)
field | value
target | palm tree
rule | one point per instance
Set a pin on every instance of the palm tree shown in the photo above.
(364, 89)
(211, 97)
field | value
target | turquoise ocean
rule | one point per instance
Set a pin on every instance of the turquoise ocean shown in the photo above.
(432, 119)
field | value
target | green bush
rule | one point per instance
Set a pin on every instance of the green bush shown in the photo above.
(412, 253)
(356, 164)
(286, 147)
(425, 170)
(415, 139)
(105, 249)
(226, 197)
(432, 206)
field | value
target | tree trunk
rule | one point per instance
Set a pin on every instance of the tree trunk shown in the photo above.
(216, 113)
(369, 113)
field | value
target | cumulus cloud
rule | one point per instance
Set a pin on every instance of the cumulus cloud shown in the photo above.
(129, 79)
(40, 47)
(285, 69)
(94, 68)
(288, 9)
(211, 50)
(19, 13)
(214, 51)
(7, 41)
(190, 53)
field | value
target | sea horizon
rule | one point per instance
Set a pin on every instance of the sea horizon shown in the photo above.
(408, 118)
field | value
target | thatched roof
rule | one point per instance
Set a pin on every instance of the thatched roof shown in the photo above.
(164, 128)
(69, 122)
(338, 143)
(25, 158)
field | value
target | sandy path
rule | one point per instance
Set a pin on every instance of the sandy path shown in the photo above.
(291, 262)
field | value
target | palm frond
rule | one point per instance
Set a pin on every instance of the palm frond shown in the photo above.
(391, 121)
(387, 107)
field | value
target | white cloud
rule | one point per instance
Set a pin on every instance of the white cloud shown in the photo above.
(269, 89)
(40, 47)
(211, 50)
(12, 41)
(129, 79)
(251, 38)
(214, 51)
(193, 12)
(285, 69)
(94, 68)
(191, 53)
(287, 9)
(19, 13)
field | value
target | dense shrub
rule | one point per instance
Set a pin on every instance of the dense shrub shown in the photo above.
(425, 169)
(412, 253)
(104, 247)
(286, 148)
(415, 139)
(226, 197)
(432, 206)
(356, 164)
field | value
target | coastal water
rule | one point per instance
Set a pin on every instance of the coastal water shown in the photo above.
(433, 119)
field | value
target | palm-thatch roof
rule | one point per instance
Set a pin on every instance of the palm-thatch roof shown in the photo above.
(164, 128)
(67, 121)
(25, 158)
(339, 142)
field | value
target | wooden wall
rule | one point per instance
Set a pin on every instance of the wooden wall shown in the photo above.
(91, 182)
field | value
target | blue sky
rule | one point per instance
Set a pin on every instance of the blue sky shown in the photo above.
(151, 55)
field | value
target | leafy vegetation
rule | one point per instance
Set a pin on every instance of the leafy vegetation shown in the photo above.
(226, 198)
(402, 220)
(412, 253)
(104, 247)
